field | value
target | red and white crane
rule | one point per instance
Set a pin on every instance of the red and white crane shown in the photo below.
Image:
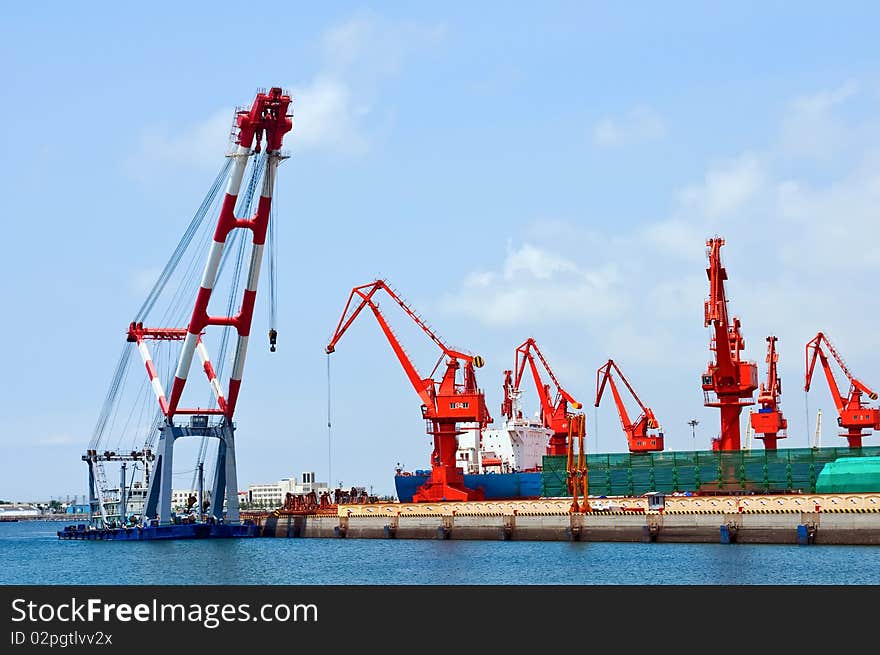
(445, 404)
(768, 422)
(267, 121)
(638, 437)
(729, 380)
(852, 414)
(554, 408)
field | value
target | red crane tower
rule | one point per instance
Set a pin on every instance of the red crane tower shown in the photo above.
(637, 436)
(554, 411)
(853, 415)
(729, 378)
(444, 404)
(768, 422)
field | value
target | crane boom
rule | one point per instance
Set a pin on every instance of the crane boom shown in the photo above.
(768, 422)
(268, 116)
(554, 411)
(730, 378)
(638, 438)
(853, 415)
(444, 404)
(422, 386)
(266, 121)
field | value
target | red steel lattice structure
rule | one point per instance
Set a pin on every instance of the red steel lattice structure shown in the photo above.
(768, 422)
(638, 438)
(267, 118)
(731, 379)
(444, 404)
(266, 121)
(852, 414)
(554, 410)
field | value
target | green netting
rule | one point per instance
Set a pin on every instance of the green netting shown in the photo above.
(625, 474)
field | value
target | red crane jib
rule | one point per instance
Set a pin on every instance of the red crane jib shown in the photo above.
(853, 415)
(444, 404)
(730, 378)
(638, 439)
(554, 412)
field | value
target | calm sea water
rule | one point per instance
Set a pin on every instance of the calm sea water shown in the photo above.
(31, 553)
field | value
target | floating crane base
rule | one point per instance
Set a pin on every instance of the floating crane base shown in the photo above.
(152, 532)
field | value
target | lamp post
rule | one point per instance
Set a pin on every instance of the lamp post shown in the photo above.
(694, 423)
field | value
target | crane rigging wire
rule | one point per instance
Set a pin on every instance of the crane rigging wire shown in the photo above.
(195, 240)
(184, 242)
(807, 417)
(122, 364)
(329, 450)
(110, 399)
(273, 282)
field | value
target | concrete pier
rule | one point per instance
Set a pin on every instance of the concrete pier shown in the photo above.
(783, 519)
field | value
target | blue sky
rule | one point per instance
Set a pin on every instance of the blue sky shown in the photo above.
(515, 169)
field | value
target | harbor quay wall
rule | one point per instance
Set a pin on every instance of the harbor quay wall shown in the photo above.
(852, 519)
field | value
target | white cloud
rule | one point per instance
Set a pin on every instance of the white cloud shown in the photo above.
(143, 280)
(726, 188)
(327, 118)
(201, 144)
(479, 280)
(370, 46)
(334, 111)
(61, 439)
(536, 286)
(535, 263)
(800, 253)
(639, 125)
(672, 236)
(835, 223)
(811, 129)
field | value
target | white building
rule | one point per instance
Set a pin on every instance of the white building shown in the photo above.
(273, 494)
(180, 499)
(16, 511)
(266, 495)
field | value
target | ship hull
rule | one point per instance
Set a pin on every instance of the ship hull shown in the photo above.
(495, 486)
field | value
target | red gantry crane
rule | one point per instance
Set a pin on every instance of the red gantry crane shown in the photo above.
(554, 410)
(768, 422)
(444, 404)
(637, 436)
(853, 415)
(731, 379)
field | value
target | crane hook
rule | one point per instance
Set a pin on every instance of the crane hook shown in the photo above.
(273, 335)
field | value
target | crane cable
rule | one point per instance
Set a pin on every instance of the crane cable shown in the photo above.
(122, 363)
(273, 282)
(184, 242)
(329, 451)
(807, 417)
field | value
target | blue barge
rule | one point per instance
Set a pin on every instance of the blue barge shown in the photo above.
(153, 532)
